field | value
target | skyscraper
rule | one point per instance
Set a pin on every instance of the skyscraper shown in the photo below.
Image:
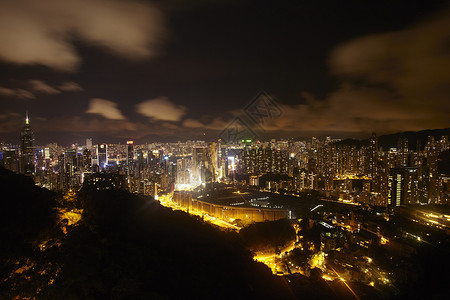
(130, 155)
(10, 160)
(89, 143)
(403, 152)
(373, 155)
(102, 156)
(27, 149)
(202, 171)
(403, 187)
(396, 181)
(432, 156)
(87, 160)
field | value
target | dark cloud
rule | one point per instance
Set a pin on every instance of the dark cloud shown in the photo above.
(16, 93)
(413, 63)
(42, 32)
(217, 60)
(85, 125)
(391, 82)
(9, 122)
(40, 86)
(36, 86)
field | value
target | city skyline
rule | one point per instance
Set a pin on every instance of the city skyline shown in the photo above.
(406, 174)
(224, 149)
(149, 71)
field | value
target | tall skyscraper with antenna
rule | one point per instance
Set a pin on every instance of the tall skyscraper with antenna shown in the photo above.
(27, 148)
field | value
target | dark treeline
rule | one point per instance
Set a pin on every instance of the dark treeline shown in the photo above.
(268, 235)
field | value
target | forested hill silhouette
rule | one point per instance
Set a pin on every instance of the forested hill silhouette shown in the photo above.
(124, 247)
(130, 246)
(391, 140)
(26, 213)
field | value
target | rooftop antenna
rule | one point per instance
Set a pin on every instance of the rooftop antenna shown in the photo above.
(26, 119)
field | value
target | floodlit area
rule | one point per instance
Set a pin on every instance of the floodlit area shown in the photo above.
(73, 216)
(166, 200)
(275, 261)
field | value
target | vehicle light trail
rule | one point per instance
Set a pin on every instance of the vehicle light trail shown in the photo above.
(343, 280)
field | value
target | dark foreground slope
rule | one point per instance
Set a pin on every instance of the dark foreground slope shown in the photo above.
(131, 247)
(26, 215)
(125, 247)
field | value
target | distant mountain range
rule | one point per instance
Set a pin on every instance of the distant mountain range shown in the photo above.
(391, 140)
(69, 138)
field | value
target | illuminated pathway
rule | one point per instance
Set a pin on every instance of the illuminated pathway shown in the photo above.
(271, 259)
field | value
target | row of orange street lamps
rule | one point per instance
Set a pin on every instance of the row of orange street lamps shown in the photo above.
(166, 200)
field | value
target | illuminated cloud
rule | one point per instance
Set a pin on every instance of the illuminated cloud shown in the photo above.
(69, 86)
(40, 86)
(42, 32)
(16, 93)
(105, 108)
(412, 64)
(161, 109)
(350, 109)
(391, 82)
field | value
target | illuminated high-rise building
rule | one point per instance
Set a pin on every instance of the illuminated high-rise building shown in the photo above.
(183, 173)
(72, 165)
(89, 143)
(27, 149)
(140, 163)
(102, 156)
(403, 152)
(10, 160)
(432, 156)
(396, 181)
(373, 155)
(212, 162)
(130, 154)
(445, 144)
(201, 172)
(70, 161)
(87, 160)
(260, 160)
(403, 187)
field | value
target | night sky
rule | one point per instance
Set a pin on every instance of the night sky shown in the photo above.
(174, 70)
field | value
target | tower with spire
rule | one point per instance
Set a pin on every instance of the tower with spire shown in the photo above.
(27, 148)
